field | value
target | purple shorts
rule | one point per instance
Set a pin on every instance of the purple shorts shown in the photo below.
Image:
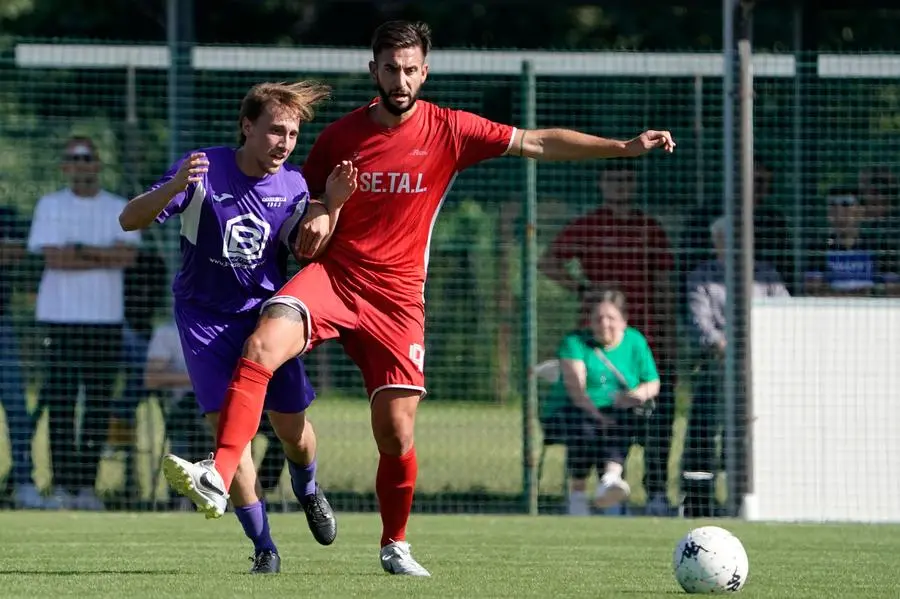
(212, 346)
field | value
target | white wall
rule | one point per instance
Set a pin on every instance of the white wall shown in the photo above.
(827, 410)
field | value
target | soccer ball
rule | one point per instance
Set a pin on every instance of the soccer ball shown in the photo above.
(710, 560)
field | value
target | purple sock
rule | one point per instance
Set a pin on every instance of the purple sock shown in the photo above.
(303, 479)
(256, 526)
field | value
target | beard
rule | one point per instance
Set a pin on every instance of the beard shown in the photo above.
(389, 105)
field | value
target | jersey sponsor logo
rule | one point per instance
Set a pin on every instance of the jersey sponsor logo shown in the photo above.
(245, 240)
(388, 182)
(221, 197)
(274, 201)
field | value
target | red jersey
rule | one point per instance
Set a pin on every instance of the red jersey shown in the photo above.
(626, 251)
(405, 172)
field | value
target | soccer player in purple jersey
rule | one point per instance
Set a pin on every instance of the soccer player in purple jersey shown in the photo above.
(243, 211)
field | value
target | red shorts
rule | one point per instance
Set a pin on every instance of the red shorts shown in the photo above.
(384, 337)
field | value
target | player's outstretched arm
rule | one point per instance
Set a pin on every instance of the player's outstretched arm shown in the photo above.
(565, 144)
(141, 211)
(322, 215)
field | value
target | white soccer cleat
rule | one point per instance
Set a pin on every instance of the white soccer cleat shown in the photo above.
(200, 482)
(396, 559)
(611, 491)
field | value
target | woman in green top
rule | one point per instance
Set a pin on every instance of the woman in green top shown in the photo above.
(605, 372)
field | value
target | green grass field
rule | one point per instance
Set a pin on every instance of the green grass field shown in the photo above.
(182, 555)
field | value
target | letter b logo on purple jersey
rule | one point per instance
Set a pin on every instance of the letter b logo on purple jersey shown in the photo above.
(245, 239)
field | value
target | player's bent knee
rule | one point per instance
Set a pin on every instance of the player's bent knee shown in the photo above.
(281, 333)
(272, 344)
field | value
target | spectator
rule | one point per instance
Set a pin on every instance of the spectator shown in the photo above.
(606, 371)
(847, 260)
(706, 293)
(146, 288)
(880, 194)
(12, 389)
(165, 370)
(772, 237)
(80, 309)
(620, 246)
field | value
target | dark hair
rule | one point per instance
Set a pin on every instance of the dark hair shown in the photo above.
(394, 35)
(883, 184)
(612, 296)
(629, 167)
(843, 190)
(299, 98)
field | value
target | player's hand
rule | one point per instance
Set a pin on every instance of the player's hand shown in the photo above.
(341, 184)
(650, 140)
(190, 171)
(313, 231)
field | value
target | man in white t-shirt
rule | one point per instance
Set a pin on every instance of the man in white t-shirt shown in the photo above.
(80, 308)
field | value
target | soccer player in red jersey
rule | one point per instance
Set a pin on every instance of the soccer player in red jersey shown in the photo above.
(366, 290)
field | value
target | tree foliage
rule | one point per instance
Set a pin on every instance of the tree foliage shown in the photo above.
(577, 24)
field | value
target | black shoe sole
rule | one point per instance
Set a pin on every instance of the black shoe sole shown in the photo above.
(324, 532)
(322, 535)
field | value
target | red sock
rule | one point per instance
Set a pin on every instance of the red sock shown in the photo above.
(394, 485)
(241, 412)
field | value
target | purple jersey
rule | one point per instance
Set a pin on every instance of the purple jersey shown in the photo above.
(234, 233)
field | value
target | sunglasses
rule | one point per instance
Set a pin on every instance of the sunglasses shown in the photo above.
(843, 201)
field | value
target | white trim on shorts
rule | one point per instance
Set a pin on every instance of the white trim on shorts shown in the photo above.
(421, 390)
(292, 302)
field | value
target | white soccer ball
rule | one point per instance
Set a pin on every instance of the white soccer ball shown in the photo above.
(710, 560)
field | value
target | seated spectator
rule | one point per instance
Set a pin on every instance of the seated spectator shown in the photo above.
(706, 295)
(166, 371)
(146, 291)
(847, 260)
(188, 434)
(606, 371)
(619, 245)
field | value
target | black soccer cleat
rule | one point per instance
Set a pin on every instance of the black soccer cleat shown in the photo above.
(320, 517)
(266, 562)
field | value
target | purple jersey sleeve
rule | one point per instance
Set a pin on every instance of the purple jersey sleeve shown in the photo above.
(179, 202)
